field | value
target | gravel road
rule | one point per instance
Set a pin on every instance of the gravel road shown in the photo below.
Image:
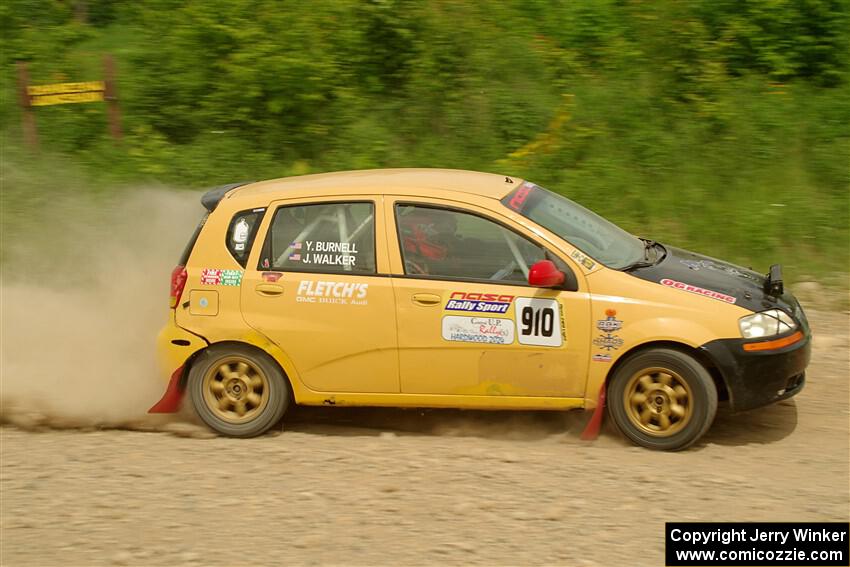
(388, 487)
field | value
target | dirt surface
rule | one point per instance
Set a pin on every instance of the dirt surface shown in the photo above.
(388, 487)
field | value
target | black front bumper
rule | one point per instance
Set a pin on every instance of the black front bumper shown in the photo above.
(755, 379)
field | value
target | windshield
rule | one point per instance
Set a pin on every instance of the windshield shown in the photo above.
(603, 241)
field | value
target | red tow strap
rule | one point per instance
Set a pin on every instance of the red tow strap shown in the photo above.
(591, 430)
(170, 402)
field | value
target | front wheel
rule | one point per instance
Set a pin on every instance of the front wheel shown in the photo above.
(238, 391)
(662, 399)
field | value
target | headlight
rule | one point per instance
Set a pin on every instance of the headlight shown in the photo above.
(766, 324)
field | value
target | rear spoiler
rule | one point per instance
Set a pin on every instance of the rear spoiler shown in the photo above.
(213, 196)
(773, 284)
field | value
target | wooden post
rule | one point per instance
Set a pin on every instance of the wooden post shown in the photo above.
(111, 96)
(27, 117)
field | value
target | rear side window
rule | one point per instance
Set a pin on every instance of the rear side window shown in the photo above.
(241, 233)
(324, 238)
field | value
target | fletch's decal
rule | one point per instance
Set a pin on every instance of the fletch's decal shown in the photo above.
(582, 259)
(479, 302)
(538, 322)
(487, 330)
(319, 252)
(698, 290)
(340, 293)
(608, 340)
(214, 276)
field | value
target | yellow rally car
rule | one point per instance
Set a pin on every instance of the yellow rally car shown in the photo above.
(435, 288)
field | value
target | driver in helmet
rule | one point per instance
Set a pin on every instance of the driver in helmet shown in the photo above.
(428, 237)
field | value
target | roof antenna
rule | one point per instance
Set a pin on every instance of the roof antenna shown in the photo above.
(508, 179)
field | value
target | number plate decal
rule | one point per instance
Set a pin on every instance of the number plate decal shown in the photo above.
(538, 322)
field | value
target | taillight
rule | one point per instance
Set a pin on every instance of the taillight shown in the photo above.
(178, 282)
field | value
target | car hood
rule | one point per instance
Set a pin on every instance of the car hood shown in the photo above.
(689, 271)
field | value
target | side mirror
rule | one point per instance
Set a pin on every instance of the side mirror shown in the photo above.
(545, 274)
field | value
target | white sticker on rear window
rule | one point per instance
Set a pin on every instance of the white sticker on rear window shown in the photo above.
(538, 322)
(489, 330)
(240, 233)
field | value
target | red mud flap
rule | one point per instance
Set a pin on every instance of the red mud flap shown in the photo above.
(591, 430)
(170, 402)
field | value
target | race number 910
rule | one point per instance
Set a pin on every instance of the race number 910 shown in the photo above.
(538, 322)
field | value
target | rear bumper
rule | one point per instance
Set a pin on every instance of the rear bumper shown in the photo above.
(175, 348)
(756, 379)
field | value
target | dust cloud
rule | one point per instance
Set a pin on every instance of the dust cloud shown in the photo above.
(84, 291)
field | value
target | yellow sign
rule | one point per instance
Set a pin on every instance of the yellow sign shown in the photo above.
(65, 93)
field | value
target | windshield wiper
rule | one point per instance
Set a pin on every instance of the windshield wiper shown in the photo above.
(646, 262)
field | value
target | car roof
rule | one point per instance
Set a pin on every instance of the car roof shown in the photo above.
(379, 181)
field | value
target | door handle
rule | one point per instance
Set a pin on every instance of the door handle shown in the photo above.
(426, 299)
(268, 289)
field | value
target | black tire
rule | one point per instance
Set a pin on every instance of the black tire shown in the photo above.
(238, 389)
(673, 385)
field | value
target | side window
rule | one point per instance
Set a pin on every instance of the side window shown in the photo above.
(241, 233)
(447, 243)
(328, 238)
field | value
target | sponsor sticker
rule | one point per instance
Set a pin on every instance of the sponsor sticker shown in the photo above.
(608, 340)
(601, 357)
(231, 277)
(210, 276)
(518, 200)
(582, 259)
(698, 290)
(610, 324)
(215, 276)
(538, 321)
(339, 293)
(479, 302)
(488, 330)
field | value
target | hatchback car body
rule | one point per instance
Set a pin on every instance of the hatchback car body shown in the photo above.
(438, 288)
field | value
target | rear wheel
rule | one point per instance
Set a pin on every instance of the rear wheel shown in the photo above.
(238, 391)
(662, 399)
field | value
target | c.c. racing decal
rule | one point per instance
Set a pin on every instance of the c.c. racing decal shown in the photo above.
(698, 290)
(479, 302)
(538, 322)
(608, 340)
(340, 293)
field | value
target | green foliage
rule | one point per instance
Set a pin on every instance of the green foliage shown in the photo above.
(722, 126)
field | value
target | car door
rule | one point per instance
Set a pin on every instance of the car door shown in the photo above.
(318, 289)
(468, 322)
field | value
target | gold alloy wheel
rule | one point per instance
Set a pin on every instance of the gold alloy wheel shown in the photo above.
(235, 389)
(658, 401)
